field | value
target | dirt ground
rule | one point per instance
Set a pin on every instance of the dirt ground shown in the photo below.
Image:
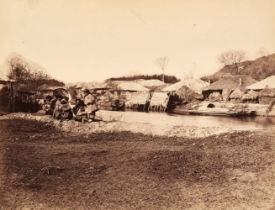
(43, 168)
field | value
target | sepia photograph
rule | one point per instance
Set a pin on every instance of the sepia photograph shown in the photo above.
(137, 104)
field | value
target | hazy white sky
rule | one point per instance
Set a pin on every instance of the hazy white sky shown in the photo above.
(86, 40)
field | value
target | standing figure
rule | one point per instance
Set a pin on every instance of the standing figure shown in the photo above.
(90, 106)
(57, 107)
(66, 112)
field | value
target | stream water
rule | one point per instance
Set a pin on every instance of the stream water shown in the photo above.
(236, 123)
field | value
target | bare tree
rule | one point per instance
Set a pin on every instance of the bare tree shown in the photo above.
(231, 57)
(26, 72)
(162, 63)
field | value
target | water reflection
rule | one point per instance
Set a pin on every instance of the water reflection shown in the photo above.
(264, 121)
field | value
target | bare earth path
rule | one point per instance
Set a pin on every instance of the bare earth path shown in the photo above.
(133, 171)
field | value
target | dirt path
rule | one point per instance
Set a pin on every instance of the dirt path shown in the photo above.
(133, 171)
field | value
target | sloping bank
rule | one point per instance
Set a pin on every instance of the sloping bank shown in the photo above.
(155, 124)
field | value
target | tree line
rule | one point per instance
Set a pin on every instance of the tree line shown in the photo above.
(28, 74)
(167, 78)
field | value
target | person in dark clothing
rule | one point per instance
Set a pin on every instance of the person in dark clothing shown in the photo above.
(66, 112)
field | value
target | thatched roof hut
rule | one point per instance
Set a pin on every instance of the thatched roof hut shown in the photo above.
(266, 96)
(231, 82)
(267, 83)
(227, 84)
(250, 96)
(186, 94)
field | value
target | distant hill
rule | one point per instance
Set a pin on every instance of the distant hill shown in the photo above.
(167, 78)
(258, 69)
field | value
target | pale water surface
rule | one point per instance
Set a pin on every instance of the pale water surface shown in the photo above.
(244, 123)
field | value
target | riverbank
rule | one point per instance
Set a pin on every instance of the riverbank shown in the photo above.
(225, 109)
(155, 124)
(43, 167)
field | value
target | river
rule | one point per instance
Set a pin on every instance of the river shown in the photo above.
(236, 123)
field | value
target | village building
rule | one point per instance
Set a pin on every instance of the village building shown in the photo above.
(250, 96)
(265, 89)
(186, 90)
(132, 94)
(221, 89)
(50, 90)
(267, 96)
(7, 96)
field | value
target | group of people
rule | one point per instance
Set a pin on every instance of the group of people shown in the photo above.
(65, 108)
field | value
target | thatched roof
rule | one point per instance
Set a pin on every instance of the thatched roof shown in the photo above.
(131, 86)
(268, 82)
(46, 87)
(86, 85)
(250, 95)
(196, 85)
(267, 92)
(187, 94)
(236, 94)
(150, 83)
(231, 82)
(158, 88)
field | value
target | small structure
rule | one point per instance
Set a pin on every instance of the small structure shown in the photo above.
(25, 101)
(127, 94)
(7, 96)
(185, 91)
(49, 90)
(266, 96)
(159, 101)
(188, 95)
(250, 97)
(265, 89)
(226, 85)
(137, 100)
(133, 94)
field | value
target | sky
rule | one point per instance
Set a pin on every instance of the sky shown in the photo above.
(92, 40)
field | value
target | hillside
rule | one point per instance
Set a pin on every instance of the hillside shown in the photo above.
(258, 69)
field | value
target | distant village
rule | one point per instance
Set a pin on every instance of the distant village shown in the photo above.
(243, 89)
